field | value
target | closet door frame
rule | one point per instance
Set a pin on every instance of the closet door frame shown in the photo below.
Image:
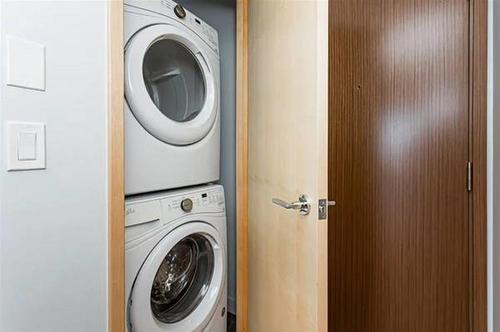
(242, 165)
(478, 67)
(116, 193)
(116, 178)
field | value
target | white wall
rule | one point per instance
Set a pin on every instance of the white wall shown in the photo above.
(53, 222)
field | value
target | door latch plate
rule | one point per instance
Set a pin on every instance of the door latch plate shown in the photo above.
(323, 205)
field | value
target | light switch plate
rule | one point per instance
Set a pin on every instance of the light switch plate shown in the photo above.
(25, 63)
(25, 146)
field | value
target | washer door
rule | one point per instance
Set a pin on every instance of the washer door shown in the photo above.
(169, 84)
(180, 283)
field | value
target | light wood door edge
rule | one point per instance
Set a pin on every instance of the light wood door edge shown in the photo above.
(116, 193)
(242, 165)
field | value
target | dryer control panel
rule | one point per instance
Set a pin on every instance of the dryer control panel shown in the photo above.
(180, 14)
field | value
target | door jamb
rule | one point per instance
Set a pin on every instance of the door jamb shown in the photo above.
(242, 165)
(116, 191)
(478, 152)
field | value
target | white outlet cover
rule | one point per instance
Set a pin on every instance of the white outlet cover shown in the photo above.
(25, 63)
(25, 146)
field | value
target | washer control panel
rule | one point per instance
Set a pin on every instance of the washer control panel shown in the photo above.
(187, 205)
(146, 212)
(208, 199)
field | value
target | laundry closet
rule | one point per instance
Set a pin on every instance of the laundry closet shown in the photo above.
(136, 134)
(179, 162)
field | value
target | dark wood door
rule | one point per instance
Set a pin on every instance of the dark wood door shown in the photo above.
(398, 150)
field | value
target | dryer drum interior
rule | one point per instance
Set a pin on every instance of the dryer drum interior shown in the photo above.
(183, 279)
(174, 80)
(172, 84)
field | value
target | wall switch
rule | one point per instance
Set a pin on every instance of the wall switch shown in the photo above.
(25, 63)
(25, 146)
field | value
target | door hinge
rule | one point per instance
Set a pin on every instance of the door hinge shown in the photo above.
(469, 176)
(323, 205)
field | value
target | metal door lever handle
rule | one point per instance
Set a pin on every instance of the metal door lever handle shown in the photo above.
(302, 204)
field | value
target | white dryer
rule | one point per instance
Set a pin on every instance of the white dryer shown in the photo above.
(172, 118)
(175, 255)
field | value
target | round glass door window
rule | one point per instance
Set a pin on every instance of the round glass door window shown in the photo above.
(183, 279)
(174, 80)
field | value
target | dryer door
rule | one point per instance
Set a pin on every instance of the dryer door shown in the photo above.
(170, 85)
(181, 281)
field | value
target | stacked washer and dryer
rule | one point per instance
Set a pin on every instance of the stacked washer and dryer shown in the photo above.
(175, 238)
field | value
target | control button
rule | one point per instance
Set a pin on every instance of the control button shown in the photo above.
(179, 11)
(187, 205)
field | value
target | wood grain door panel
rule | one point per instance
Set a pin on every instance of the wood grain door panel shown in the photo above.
(287, 156)
(398, 152)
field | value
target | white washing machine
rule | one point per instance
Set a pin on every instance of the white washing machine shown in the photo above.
(175, 255)
(172, 88)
